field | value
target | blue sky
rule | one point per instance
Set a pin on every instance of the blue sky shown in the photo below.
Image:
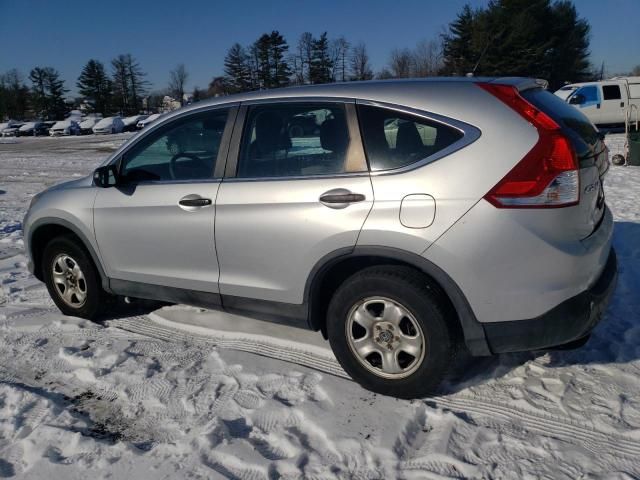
(65, 34)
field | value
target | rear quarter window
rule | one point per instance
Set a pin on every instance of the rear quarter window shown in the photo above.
(394, 139)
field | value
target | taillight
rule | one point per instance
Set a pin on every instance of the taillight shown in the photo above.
(547, 176)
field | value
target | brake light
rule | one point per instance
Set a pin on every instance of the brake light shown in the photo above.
(548, 175)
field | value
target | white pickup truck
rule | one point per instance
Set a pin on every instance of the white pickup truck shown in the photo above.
(606, 102)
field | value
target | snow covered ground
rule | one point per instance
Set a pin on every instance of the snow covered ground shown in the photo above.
(164, 395)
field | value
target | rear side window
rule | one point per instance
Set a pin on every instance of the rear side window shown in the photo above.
(611, 92)
(395, 139)
(294, 139)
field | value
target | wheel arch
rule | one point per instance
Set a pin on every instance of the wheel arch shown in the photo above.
(46, 229)
(331, 270)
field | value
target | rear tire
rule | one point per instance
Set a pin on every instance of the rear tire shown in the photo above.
(73, 280)
(408, 345)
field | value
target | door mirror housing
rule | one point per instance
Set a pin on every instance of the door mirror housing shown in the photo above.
(577, 99)
(106, 176)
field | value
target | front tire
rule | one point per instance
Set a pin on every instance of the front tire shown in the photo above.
(72, 279)
(390, 331)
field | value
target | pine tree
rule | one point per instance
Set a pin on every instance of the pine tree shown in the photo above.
(38, 91)
(568, 57)
(120, 82)
(14, 95)
(95, 85)
(321, 64)
(280, 71)
(263, 61)
(237, 69)
(56, 91)
(534, 38)
(138, 84)
(47, 97)
(458, 49)
(268, 57)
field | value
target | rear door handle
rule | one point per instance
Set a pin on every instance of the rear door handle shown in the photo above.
(193, 202)
(340, 198)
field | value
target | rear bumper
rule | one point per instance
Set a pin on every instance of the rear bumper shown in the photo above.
(569, 321)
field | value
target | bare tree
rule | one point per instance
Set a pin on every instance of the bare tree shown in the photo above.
(305, 55)
(340, 58)
(401, 63)
(360, 67)
(635, 72)
(427, 58)
(177, 81)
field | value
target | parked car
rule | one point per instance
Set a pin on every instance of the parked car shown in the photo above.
(86, 125)
(10, 128)
(33, 129)
(131, 123)
(148, 121)
(64, 127)
(422, 216)
(607, 102)
(109, 125)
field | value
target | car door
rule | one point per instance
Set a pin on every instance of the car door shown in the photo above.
(296, 189)
(613, 104)
(155, 227)
(588, 100)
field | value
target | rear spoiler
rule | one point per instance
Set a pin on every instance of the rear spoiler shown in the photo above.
(522, 83)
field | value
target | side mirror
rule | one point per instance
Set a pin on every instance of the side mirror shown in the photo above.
(577, 99)
(106, 176)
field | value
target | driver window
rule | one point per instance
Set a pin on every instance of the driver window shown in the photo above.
(184, 149)
(586, 96)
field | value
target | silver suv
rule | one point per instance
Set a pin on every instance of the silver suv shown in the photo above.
(403, 219)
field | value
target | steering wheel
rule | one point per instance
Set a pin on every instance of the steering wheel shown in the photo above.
(174, 159)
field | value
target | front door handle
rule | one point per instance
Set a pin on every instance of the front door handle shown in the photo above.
(193, 202)
(340, 198)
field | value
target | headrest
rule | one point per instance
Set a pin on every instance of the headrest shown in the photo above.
(408, 139)
(334, 136)
(270, 134)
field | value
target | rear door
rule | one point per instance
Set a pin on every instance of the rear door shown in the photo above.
(297, 188)
(614, 102)
(591, 151)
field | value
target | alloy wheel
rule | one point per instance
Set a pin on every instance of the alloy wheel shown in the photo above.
(385, 337)
(69, 280)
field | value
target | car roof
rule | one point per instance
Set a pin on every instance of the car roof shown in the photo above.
(360, 89)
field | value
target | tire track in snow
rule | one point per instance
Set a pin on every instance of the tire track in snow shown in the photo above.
(564, 429)
(234, 341)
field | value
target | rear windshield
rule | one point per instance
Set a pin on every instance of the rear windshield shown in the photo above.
(583, 134)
